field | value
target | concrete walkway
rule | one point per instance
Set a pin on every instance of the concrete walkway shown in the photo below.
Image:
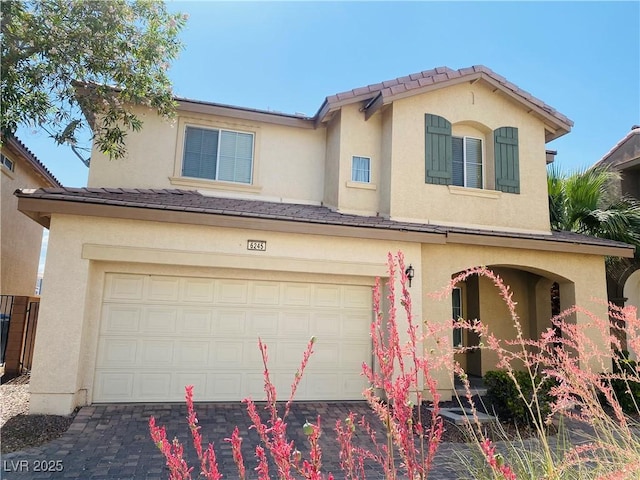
(112, 442)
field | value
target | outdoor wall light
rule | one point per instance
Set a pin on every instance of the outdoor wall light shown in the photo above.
(409, 272)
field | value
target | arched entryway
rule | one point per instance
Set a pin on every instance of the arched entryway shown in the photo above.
(538, 295)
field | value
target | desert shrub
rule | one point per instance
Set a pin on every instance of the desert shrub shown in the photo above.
(508, 402)
(627, 388)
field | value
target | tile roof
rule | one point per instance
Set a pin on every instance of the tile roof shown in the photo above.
(436, 75)
(608, 159)
(195, 202)
(15, 144)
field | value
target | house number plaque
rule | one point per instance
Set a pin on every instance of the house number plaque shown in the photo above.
(260, 245)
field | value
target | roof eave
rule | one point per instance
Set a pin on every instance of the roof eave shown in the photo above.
(19, 149)
(554, 127)
(40, 209)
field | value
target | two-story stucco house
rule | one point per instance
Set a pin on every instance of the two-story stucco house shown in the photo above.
(232, 223)
(21, 238)
(624, 157)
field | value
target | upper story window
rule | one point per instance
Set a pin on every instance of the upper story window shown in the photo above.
(217, 154)
(458, 160)
(467, 162)
(6, 162)
(361, 169)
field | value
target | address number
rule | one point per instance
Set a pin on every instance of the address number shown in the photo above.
(260, 245)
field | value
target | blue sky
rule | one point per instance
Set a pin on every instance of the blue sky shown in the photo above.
(582, 58)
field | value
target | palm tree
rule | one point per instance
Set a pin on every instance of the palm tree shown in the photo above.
(585, 201)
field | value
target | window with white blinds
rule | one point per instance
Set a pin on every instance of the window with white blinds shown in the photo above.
(467, 162)
(218, 155)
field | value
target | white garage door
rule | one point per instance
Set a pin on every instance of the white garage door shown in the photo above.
(158, 334)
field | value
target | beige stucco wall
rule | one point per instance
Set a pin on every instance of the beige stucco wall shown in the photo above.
(305, 165)
(83, 249)
(586, 274)
(288, 161)
(475, 109)
(70, 308)
(332, 163)
(362, 139)
(21, 237)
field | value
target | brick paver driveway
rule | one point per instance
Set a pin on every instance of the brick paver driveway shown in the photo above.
(112, 442)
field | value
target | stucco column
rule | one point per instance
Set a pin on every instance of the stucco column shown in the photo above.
(436, 313)
(585, 291)
(54, 376)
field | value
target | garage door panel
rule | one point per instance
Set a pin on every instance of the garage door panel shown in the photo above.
(325, 325)
(351, 356)
(121, 319)
(232, 291)
(289, 353)
(265, 293)
(195, 321)
(124, 287)
(357, 297)
(263, 324)
(231, 323)
(229, 353)
(160, 333)
(324, 355)
(352, 385)
(155, 353)
(223, 386)
(296, 294)
(114, 387)
(153, 386)
(117, 351)
(198, 290)
(159, 320)
(327, 296)
(351, 325)
(294, 324)
(254, 386)
(163, 289)
(180, 379)
(191, 353)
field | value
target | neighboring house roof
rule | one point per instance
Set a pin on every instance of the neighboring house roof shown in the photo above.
(625, 153)
(18, 148)
(179, 206)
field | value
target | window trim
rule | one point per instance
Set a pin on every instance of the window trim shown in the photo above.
(4, 159)
(353, 180)
(180, 163)
(464, 161)
(459, 331)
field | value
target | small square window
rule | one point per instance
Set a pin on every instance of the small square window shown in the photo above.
(6, 162)
(361, 169)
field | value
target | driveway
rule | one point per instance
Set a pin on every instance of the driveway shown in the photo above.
(111, 442)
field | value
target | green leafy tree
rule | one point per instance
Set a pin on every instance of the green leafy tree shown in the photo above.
(67, 64)
(586, 201)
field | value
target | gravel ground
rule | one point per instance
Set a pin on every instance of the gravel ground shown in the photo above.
(18, 429)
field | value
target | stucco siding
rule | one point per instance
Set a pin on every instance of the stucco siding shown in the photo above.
(359, 138)
(21, 236)
(288, 162)
(472, 109)
(581, 278)
(70, 311)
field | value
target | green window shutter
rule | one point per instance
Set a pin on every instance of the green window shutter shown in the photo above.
(507, 163)
(438, 150)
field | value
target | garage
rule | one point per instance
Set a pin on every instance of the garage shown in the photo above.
(160, 333)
